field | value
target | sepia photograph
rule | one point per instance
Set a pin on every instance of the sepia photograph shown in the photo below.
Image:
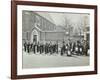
(55, 39)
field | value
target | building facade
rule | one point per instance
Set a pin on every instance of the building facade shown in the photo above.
(39, 29)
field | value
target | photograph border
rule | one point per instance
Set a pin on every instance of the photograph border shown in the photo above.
(14, 38)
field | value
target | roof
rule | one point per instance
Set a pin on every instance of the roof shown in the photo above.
(46, 16)
(47, 29)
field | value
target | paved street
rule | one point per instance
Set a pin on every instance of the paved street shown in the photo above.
(41, 60)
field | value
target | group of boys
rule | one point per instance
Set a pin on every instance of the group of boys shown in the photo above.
(71, 48)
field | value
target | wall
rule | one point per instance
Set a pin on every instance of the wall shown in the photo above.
(29, 21)
(28, 24)
(5, 41)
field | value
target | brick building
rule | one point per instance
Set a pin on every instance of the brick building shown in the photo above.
(38, 28)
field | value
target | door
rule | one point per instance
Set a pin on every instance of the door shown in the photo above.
(35, 38)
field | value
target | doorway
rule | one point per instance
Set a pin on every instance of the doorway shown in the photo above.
(34, 36)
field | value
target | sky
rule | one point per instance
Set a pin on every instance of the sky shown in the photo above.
(76, 20)
(59, 18)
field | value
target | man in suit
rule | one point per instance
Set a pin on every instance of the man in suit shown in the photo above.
(63, 49)
(28, 47)
(31, 46)
(25, 46)
(56, 47)
(51, 48)
(73, 48)
(41, 48)
(85, 47)
(38, 47)
(35, 48)
(46, 48)
(80, 49)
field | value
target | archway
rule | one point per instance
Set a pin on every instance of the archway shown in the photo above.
(34, 36)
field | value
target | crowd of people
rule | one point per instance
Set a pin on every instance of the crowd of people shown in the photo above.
(75, 48)
(70, 48)
(41, 48)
